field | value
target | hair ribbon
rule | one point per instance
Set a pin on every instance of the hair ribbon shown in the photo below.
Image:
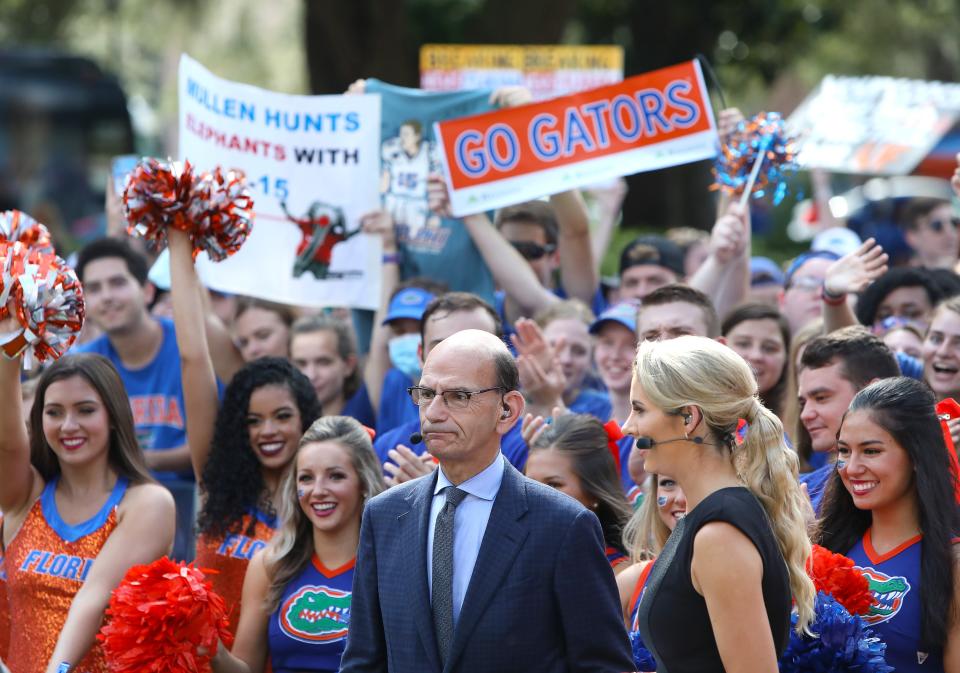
(949, 410)
(614, 434)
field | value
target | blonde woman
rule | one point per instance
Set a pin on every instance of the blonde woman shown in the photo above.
(644, 537)
(297, 591)
(719, 595)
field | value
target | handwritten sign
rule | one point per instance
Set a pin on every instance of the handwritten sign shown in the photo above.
(659, 119)
(314, 166)
(873, 125)
(546, 70)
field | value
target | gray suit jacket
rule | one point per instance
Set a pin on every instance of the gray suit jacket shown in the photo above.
(542, 598)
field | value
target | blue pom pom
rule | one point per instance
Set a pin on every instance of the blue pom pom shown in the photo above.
(765, 134)
(643, 660)
(842, 644)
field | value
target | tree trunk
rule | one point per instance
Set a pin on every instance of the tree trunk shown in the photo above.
(349, 40)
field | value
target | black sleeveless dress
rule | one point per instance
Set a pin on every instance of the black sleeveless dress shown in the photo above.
(673, 617)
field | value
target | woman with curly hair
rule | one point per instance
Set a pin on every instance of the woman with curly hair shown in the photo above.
(890, 507)
(240, 452)
(310, 560)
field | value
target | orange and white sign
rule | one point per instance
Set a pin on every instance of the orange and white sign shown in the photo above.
(651, 121)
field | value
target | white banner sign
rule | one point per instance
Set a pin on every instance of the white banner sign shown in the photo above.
(314, 166)
(873, 125)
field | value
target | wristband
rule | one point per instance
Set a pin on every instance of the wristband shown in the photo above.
(831, 299)
(15, 347)
(391, 258)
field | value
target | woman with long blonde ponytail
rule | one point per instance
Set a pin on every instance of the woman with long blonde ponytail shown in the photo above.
(720, 594)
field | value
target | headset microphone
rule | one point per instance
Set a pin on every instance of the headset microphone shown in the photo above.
(416, 438)
(649, 442)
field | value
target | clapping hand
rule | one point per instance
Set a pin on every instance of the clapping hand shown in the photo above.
(854, 272)
(533, 426)
(541, 375)
(407, 465)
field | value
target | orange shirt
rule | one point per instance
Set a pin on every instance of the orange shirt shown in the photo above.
(229, 556)
(47, 562)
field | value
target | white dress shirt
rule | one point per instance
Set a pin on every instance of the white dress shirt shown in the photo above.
(469, 524)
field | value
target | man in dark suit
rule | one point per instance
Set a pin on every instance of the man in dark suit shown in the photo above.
(476, 568)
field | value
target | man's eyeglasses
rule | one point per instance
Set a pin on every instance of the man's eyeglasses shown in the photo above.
(454, 399)
(941, 224)
(532, 251)
(808, 283)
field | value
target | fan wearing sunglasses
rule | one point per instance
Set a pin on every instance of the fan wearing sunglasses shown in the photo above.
(930, 229)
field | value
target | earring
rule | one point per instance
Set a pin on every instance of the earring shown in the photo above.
(595, 505)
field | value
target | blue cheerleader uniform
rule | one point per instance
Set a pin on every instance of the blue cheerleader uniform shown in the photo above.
(308, 631)
(894, 580)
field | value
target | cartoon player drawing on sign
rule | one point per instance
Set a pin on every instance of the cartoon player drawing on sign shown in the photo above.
(408, 159)
(322, 228)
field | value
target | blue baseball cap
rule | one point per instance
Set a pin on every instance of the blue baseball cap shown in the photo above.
(409, 302)
(624, 313)
(764, 271)
(805, 257)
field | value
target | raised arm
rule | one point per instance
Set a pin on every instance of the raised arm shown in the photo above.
(143, 534)
(196, 367)
(20, 484)
(606, 204)
(578, 274)
(725, 275)
(224, 353)
(510, 270)
(849, 275)
(378, 361)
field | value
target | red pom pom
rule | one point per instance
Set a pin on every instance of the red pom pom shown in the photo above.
(221, 213)
(834, 574)
(18, 226)
(157, 196)
(159, 617)
(214, 208)
(47, 300)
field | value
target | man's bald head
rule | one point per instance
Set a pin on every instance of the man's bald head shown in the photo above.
(475, 345)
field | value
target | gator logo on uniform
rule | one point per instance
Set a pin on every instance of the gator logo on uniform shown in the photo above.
(889, 592)
(316, 614)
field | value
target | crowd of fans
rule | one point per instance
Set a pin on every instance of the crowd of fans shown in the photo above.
(268, 428)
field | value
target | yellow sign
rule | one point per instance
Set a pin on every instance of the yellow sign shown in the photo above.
(547, 70)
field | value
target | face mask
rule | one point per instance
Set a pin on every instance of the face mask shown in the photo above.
(403, 355)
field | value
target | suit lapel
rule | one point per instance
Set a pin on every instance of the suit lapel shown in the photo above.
(414, 525)
(502, 540)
